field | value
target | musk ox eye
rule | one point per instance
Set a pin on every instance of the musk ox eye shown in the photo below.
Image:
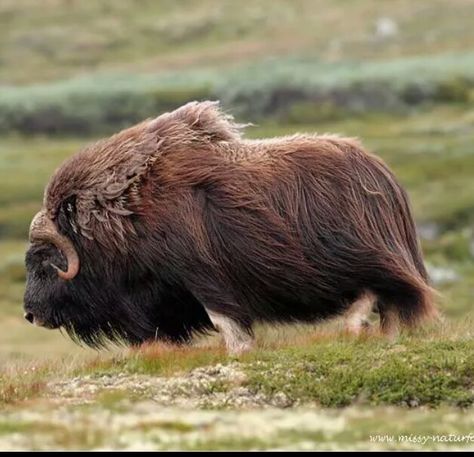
(67, 213)
(69, 205)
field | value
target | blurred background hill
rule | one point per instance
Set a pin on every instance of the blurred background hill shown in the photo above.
(398, 74)
(68, 66)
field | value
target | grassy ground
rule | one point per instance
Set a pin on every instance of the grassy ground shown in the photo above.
(288, 393)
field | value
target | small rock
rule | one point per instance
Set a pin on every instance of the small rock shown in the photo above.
(281, 400)
(385, 27)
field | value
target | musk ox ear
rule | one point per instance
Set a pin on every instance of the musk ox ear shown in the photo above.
(205, 120)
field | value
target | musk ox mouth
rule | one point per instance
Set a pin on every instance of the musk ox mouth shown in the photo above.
(32, 319)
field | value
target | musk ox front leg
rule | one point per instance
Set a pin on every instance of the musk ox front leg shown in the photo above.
(227, 317)
(237, 338)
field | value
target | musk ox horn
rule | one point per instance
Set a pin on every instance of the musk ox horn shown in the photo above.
(42, 229)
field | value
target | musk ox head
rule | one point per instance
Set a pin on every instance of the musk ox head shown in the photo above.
(49, 253)
(94, 264)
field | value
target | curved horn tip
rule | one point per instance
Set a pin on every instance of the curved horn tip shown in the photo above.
(43, 229)
(69, 274)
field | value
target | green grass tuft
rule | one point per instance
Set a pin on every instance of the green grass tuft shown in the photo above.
(335, 374)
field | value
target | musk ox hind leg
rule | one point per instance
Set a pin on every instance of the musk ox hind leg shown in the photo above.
(357, 315)
(404, 300)
(389, 322)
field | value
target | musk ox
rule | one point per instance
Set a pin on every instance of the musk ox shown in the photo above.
(178, 225)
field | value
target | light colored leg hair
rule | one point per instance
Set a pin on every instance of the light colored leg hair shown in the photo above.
(390, 323)
(236, 338)
(356, 317)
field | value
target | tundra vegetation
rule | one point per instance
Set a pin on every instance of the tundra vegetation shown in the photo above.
(407, 91)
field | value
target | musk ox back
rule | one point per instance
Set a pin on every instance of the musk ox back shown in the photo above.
(178, 225)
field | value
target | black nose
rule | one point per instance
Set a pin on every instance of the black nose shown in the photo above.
(29, 317)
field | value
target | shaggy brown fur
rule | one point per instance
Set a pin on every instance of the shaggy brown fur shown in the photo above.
(292, 228)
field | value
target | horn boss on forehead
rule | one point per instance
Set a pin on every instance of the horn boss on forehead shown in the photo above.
(43, 230)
